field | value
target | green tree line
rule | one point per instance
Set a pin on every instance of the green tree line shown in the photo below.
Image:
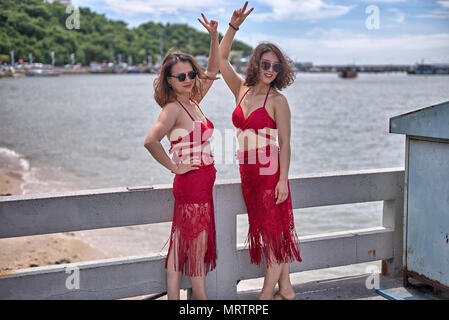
(38, 27)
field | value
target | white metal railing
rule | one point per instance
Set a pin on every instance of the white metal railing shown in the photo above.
(26, 215)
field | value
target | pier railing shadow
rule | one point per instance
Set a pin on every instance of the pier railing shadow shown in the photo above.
(116, 278)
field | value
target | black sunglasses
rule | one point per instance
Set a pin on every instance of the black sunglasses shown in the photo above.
(182, 76)
(277, 66)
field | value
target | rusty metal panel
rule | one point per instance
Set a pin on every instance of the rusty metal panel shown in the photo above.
(427, 210)
(431, 122)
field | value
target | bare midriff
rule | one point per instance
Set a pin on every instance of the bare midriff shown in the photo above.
(250, 139)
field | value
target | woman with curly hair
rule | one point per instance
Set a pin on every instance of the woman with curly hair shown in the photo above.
(180, 87)
(262, 115)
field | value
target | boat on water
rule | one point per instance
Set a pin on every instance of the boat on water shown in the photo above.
(42, 73)
(348, 74)
(132, 70)
(7, 72)
(429, 69)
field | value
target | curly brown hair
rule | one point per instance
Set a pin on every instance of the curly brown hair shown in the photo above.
(163, 92)
(284, 78)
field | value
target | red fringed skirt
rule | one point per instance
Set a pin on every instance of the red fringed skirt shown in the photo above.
(271, 226)
(192, 237)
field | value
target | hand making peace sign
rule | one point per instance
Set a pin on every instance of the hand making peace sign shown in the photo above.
(240, 15)
(211, 26)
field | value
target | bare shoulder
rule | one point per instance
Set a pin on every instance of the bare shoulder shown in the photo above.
(171, 108)
(279, 101)
(279, 97)
(243, 89)
(170, 114)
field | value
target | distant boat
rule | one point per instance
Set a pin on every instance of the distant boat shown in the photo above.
(7, 72)
(96, 67)
(131, 69)
(348, 74)
(429, 69)
(42, 73)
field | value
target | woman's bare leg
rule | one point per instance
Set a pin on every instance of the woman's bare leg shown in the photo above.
(199, 287)
(199, 283)
(285, 286)
(173, 276)
(272, 275)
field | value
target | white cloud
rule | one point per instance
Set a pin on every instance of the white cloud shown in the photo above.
(337, 46)
(158, 7)
(440, 13)
(444, 4)
(436, 14)
(400, 16)
(384, 1)
(300, 10)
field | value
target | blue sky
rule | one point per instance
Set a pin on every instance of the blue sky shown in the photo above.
(318, 31)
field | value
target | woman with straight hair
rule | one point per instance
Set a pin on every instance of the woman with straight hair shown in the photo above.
(179, 89)
(262, 115)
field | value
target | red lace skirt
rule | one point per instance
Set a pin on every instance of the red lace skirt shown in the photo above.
(271, 226)
(192, 237)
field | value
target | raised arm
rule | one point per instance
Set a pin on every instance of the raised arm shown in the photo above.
(213, 64)
(231, 77)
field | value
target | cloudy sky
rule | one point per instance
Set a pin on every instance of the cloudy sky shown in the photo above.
(318, 31)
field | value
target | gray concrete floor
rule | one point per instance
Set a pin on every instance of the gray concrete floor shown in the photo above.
(350, 288)
(344, 288)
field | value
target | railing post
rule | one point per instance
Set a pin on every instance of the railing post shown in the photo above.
(393, 211)
(222, 283)
(189, 294)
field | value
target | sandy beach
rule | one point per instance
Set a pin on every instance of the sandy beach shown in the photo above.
(10, 183)
(40, 250)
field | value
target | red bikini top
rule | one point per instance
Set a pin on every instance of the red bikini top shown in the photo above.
(256, 120)
(199, 135)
